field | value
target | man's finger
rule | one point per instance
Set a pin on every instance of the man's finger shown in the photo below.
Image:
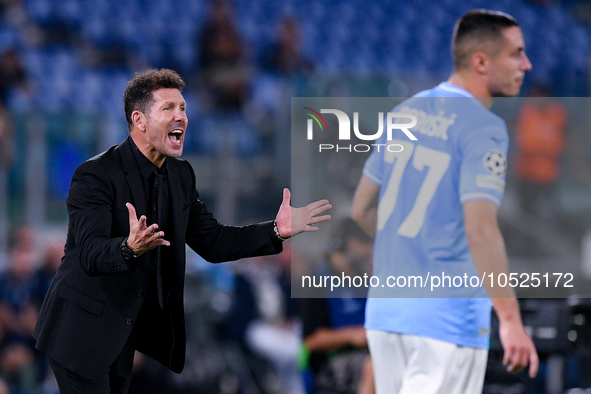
(156, 235)
(132, 213)
(152, 229)
(318, 204)
(517, 361)
(286, 196)
(142, 222)
(524, 358)
(534, 364)
(319, 219)
(507, 357)
(516, 364)
(513, 366)
(159, 242)
(320, 209)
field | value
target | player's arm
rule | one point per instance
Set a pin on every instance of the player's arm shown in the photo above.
(365, 205)
(488, 250)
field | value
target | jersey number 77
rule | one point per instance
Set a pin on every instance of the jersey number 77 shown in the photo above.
(423, 159)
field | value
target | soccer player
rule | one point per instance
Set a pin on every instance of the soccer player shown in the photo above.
(433, 208)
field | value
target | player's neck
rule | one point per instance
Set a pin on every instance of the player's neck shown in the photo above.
(472, 85)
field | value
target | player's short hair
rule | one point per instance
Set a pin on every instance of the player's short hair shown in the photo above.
(138, 95)
(478, 30)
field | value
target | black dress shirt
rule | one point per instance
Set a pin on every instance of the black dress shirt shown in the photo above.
(155, 184)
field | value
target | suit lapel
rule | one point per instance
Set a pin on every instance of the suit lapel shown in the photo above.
(175, 194)
(133, 178)
(177, 224)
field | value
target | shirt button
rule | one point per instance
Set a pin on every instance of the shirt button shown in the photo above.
(129, 321)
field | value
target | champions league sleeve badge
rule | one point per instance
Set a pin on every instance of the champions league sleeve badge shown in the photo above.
(495, 162)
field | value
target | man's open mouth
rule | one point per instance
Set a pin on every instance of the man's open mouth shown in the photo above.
(176, 136)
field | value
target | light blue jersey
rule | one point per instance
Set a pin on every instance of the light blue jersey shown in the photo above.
(459, 155)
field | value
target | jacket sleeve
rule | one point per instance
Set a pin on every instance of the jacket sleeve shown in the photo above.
(216, 242)
(89, 204)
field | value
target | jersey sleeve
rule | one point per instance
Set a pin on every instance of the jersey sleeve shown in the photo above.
(483, 165)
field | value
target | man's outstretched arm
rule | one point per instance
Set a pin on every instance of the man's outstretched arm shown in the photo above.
(488, 250)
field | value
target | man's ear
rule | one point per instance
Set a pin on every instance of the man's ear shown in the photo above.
(480, 62)
(139, 120)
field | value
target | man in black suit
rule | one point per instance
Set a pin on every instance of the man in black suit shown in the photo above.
(120, 284)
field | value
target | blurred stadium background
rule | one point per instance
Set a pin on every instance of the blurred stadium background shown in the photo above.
(64, 65)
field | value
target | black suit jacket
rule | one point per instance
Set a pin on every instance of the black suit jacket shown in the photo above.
(97, 297)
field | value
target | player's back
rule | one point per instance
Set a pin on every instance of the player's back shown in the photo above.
(420, 230)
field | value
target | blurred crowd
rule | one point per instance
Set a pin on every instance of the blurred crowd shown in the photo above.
(23, 286)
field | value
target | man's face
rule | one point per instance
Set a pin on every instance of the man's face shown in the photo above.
(166, 123)
(510, 64)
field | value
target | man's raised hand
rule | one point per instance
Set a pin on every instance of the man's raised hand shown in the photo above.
(292, 221)
(141, 237)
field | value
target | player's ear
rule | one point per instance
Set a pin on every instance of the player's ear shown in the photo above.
(480, 62)
(139, 120)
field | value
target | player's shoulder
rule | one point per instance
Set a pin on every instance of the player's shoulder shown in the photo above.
(98, 163)
(96, 170)
(478, 115)
(446, 110)
(181, 169)
(444, 89)
(177, 164)
(110, 163)
(447, 98)
(479, 125)
(105, 156)
(469, 110)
